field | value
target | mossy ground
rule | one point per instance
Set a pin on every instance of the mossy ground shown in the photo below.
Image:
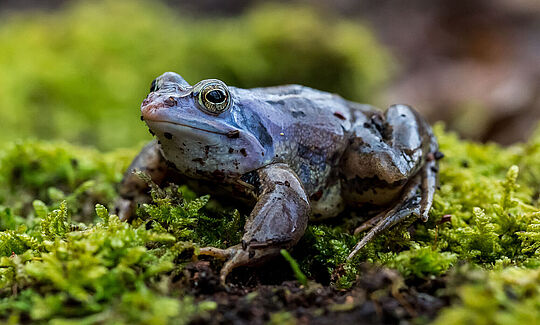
(79, 74)
(65, 258)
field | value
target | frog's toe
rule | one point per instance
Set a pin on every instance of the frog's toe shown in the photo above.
(391, 218)
(216, 252)
(236, 256)
(370, 223)
(246, 256)
(429, 184)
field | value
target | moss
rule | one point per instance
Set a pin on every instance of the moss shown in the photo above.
(506, 296)
(282, 318)
(52, 268)
(93, 272)
(485, 215)
(57, 172)
(419, 261)
(185, 218)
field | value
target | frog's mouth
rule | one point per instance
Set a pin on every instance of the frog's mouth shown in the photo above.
(230, 134)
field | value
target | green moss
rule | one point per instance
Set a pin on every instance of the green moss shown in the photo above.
(62, 268)
(419, 261)
(65, 259)
(489, 208)
(282, 318)
(97, 272)
(507, 296)
(57, 172)
(54, 269)
(79, 74)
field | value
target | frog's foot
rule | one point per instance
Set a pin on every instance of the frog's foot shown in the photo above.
(370, 223)
(411, 203)
(236, 256)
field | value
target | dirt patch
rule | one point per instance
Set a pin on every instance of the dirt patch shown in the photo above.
(257, 296)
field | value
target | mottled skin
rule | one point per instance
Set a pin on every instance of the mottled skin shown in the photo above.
(293, 151)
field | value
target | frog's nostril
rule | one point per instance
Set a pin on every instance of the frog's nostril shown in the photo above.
(171, 101)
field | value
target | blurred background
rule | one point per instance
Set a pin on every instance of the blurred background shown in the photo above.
(78, 70)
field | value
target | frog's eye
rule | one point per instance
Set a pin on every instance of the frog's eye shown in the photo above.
(213, 96)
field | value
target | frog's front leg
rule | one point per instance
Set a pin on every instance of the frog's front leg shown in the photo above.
(133, 190)
(278, 220)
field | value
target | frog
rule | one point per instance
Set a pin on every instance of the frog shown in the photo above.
(291, 153)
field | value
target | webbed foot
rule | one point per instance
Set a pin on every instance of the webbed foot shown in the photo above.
(237, 256)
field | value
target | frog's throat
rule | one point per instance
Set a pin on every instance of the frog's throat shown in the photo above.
(227, 134)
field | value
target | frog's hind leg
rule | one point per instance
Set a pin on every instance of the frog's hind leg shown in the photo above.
(409, 205)
(416, 200)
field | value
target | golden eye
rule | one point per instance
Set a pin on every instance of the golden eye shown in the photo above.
(213, 96)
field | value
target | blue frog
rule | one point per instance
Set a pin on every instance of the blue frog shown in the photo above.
(292, 152)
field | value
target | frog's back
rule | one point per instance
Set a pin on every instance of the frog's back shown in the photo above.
(305, 103)
(309, 129)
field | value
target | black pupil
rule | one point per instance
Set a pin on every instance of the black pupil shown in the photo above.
(215, 96)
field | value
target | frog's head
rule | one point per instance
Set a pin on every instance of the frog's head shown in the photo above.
(197, 129)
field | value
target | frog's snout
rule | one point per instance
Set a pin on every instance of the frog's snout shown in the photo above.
(154, 106)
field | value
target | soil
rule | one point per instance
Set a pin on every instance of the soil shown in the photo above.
(258, 295)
